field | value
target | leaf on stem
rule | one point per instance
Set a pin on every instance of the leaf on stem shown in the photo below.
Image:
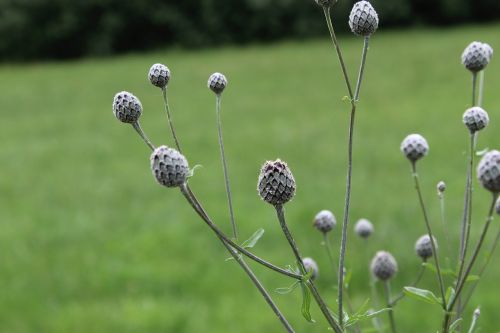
(287, 290)
(306, 302)
(454, 325)
(422, 295)
(444, 271)
(250, 243)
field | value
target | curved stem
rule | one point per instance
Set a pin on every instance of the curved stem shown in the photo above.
(362, 67)
(481, 88)
(141, 133)
(401, 295)
(169, 117)
(389, 305)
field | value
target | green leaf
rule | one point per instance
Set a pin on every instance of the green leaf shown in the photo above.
(422, 295)
(444, 271)
(482, 152)
(306, 303)
(287, 290)
(450, 293)
(363, 316)
(249, 243)
(472, 278)
(193, 169)
(455, 324)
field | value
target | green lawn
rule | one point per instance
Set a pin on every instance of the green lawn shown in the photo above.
(90, 243)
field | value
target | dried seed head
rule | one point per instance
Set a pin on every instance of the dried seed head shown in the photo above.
(169, 167)
(311, 265)
(477, 313)
(324, 221)
(363, 19)
(414, 146)
(363, 228)
(276, 184)
(217, 82)
(384, 266)
(488, 171)
(126, 107)
(159, 75)
(441, 187)
(497, 206)
(423, 247)
(476, 119)
(476, 56)
(325, 3)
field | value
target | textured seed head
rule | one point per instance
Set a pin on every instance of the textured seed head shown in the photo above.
(497, 206)
(325, 3)
(159, 75)
(414, 146)
(311, 265)
(363, 228)
(384, 266)
(217, 82)
(488, 171)
(476, 56)
(169, 167)
(363, 19)
(423, 247)
(476, 119)
(126, 107)
(441, 187)
(324, 221)
(276, 184)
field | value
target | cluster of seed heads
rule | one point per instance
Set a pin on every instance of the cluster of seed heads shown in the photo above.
(311, 266)
(217, 82)
(414, 147)
(159, 75)
(476, 118)
(324, 221)
(383, 266)
(476, 56)
(423, 247)
(170, 168)
(488, 171)
(363, 19)
(126, 107)
(441, 187)
(276, 184)
(363, 228)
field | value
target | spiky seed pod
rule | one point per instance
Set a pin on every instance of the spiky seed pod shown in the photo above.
(169, 167)
(126, 107)
(489, 50)
(384, 266)
(476, 118)
(441, 187)
(488, 171)
(217, 82)
(276, 184)
(324, 221)
(363, 228)
(476, 56)
(159, 75)
(311, 265)
(363, 19)
(497, 206)
(325, 3)
(423, 247)
(414, 147)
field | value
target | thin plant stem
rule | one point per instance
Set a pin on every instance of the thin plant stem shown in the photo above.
(169, 118)
(474, 84)
(481, 89)
(224, 167)
(442, 208)
(429, 231)
(366, 42)
(143, 136)
(473, 323)
(387, 290)
(415, 283)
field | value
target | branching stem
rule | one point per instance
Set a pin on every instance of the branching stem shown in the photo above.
(387, 290)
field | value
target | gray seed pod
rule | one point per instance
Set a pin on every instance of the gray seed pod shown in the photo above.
(217, 82)
(159, 75)
(384, 266)
(476, 56)
(476, 118)
(423, 247)
(169, 167)
(488, 171)
(324, 221)
(325, 3)
(126, 107)
(414, 147)
(497, 206)
(363, 19)
(363, 228)
(441, 187)
(311, 265)
(276, 184)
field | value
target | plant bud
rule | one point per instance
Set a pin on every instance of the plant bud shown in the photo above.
(159, 75)
(414, 147)
(311, 265)
(423, 247)
(363, 228)
(476, 119)
(441, 187)
(363, 19)
(488, 171)
(217, 82)
(476, 56)
(276, 184)
(169, 167)
(324, 221)
(126, 107)
(384, 266)
(325, 3)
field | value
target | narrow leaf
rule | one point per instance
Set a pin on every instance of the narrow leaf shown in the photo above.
(287, 290)
(472, 278)
(455, 324)
(249, 243)
(422, 295)
(306, 303)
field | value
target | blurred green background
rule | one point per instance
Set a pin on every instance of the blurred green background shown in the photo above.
(90, 243)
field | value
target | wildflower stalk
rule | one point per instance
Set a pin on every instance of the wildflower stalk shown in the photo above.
(442, 208)
(387, 291)
(143, 136)
(415, 283)
(474, 84)
(473, 323)
(481, 88)
(169, 118)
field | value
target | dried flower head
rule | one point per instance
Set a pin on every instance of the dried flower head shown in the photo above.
(276, 184)
(423, 247)
(363, 228)
(384, 266)
(414, 147)
(488, 171)
(476, 56)
(363, 19)
(476, 118)
(324, 221)
(169, 167)
(217, 82)
(325, 3)
(441, 187)
(126, 107)
(311, 265)
(159, 75)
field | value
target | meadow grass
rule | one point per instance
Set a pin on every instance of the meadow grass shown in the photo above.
(90, 243)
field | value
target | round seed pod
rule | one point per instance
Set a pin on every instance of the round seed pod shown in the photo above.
(476, 56)
(217, 82)
(324, 221)
(325, 3)
(497, 206)
(441, 187)
(311, 265)
(476, 118)
(414, 147)
(384, 266)
(488, 171)
(423, 247)
(363, 228)
(363, 19)
(126, 107)
(159, 75)
(276, 184)
(169, 167)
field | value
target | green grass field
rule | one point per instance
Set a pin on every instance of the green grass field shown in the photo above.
(90, 243)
